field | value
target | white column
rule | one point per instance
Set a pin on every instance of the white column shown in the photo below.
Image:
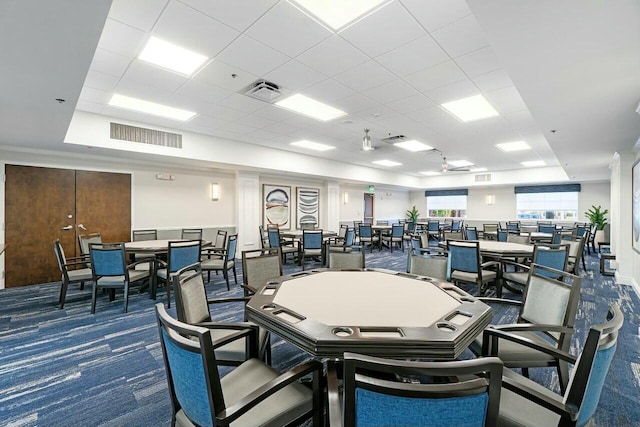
(620, 217)
(249, 211)
(333, 206)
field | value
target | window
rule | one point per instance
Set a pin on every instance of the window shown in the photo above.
(447, 206)
(552, 205)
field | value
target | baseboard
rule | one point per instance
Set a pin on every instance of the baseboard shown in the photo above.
(627, 280)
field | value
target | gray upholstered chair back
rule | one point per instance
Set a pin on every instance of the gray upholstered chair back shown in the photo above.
(191, 234)
(141, 235)
(346, 260)
(516, 238)
(84, 240)
(429, 265)
(221, 240)
(258, 266)
(191, 296)
(452, 235)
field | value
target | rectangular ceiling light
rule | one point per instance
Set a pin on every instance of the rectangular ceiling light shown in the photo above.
(471, 108)
(337, 14)
(429, 173)
(310, 107)
(168, 55)
(312, 145)
(386, 163)
(413, 145)
(460, 163)
(533, 163)
(513, 146)
(478, 170)
(148, 107)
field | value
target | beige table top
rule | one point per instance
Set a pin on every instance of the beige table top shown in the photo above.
(161, 245)
(297, 234)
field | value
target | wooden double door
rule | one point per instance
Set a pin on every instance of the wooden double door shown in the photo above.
(44, 204)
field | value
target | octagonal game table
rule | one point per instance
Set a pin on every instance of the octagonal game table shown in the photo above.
(370, 311)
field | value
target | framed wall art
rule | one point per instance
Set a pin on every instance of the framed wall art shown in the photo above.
(635, 189)
(276, 205)
(307, 206)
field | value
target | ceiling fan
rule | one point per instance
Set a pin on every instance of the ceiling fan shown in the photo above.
(446, 168)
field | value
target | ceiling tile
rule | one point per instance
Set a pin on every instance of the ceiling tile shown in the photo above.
(109, 62)
(365, 76)
(101, 81)
(328, 91)
(434, 14)
(254, 121)
(356, 102)
(209, 121)
(91, 107)
(223, 113)
(452, 92)
(332, 56)
(414, 56)
(295, 76)
(411, 103)
(252, 56)
(392, 91)
(193, 30)
(479, 62)
(121, 38)
(383, 30)
(242, 103)
(436, 76)
(123, 114)
(220, 74)
(274, 113)
(95, 95)
(461, 37)
(506, 100)
(150, 74)
(497, 79)
(206, 92)
(238, 14)
(288, 30)
(139, 14)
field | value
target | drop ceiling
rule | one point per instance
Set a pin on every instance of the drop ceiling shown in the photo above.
(564, 76)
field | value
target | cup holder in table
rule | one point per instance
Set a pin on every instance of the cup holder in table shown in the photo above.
(467, 299)
(268, 307)
(446, 327)
(342, 332)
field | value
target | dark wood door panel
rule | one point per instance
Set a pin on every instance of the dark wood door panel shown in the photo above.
(38, 202)
(103, 204)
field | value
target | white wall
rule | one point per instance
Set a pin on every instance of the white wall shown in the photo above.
(388, 204)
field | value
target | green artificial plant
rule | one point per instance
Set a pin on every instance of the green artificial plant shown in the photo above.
(413, 214)
(597, 216)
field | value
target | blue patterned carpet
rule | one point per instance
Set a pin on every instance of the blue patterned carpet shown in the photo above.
(70, 368)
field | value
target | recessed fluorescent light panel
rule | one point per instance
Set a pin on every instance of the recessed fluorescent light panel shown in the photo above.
(513, 146)
(310, 107)
(471, 108)
(168, 55)
(413, 145)
(460, 163)
(312, 145)
(533, 163)
(478, 170)
(148, 107)
(386, 163)
(429, 173)
(339, 13)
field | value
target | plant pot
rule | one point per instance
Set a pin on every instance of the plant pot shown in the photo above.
(600, 237)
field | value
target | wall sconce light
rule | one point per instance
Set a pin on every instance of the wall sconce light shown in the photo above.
(215, 192)
(345, 198)
(490, 199)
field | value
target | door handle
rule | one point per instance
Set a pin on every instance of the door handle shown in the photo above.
(82, 227)
(68, 227)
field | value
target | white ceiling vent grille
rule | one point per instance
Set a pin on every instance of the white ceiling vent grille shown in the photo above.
(145, 136)
(483, 177)
(263, 90)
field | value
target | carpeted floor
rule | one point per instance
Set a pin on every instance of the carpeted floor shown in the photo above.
(71, 368)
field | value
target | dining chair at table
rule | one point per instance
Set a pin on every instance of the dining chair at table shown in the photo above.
(396, 236)
(456, 225)
(346, 260)
(110, 271)
(84, 240)
(489, 231)
(180, 254)
(286, 247)
(221, 260)
(515, 275)
(501, 235)
(576, 253)
(471, 233)
(465, 265)
(191, 234)
(201, 397)
(429, 265)
(368, 237)
(142, 235)
(73, 271)
(344, 245)
(546, 228)
(312, 247)
(433, 229)
(258, 266)
(513, 227)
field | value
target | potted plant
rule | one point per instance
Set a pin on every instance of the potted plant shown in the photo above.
(598, 217)
(413, 214)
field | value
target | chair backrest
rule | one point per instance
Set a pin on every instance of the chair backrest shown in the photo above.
(308, 225)
(346, 260)
(490, 227)
(232, 246)
(370, 400)
(108, 259)
(342, 232)
(349, 237)
(581, 230)
(264, 237)
(397, 231)
(424, 240)
(552, 256)
(182, 254)
(84, 240)
(274, 237)
(546, 228)
(429, 265)
(551, 300)
(410, 226)
(221, 240)
(365, 231)
(433, 225)
(463, 255)
(382, 222)
(523, 239)
(260, 265)
(502, 235)
(576, 246)
(513, 226)
(471, 233)
(191, 369)
(191, 234)
(312, 239)
(589, 373)
(60, 257)
(140, 235)
(556, 237)
(456, 225)
(452, 235)
(191, 295)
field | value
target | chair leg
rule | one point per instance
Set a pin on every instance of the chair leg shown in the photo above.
(584, 265)
(225, 273)
(126, 297)
(235, 276)
(94, 297)
(63, 293)
(168, 286)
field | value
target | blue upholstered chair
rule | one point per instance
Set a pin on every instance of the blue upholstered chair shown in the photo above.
(396, 236)
(372, 396)
(252, 394)
(221, 260)
(180, 254)
(312, 246)
(546, 318)
(546, 228)
(513, 227)
(501, 235)
(515, 275)
(433, 229)
(73, 271)
(286, 247)
(464, 265)
(456, 225)
(471, 233)
(366, 235)
(526, 403)
(110, 270)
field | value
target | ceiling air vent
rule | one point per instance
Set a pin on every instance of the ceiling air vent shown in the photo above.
(145, 136)
(483, 177)
(263, 90)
